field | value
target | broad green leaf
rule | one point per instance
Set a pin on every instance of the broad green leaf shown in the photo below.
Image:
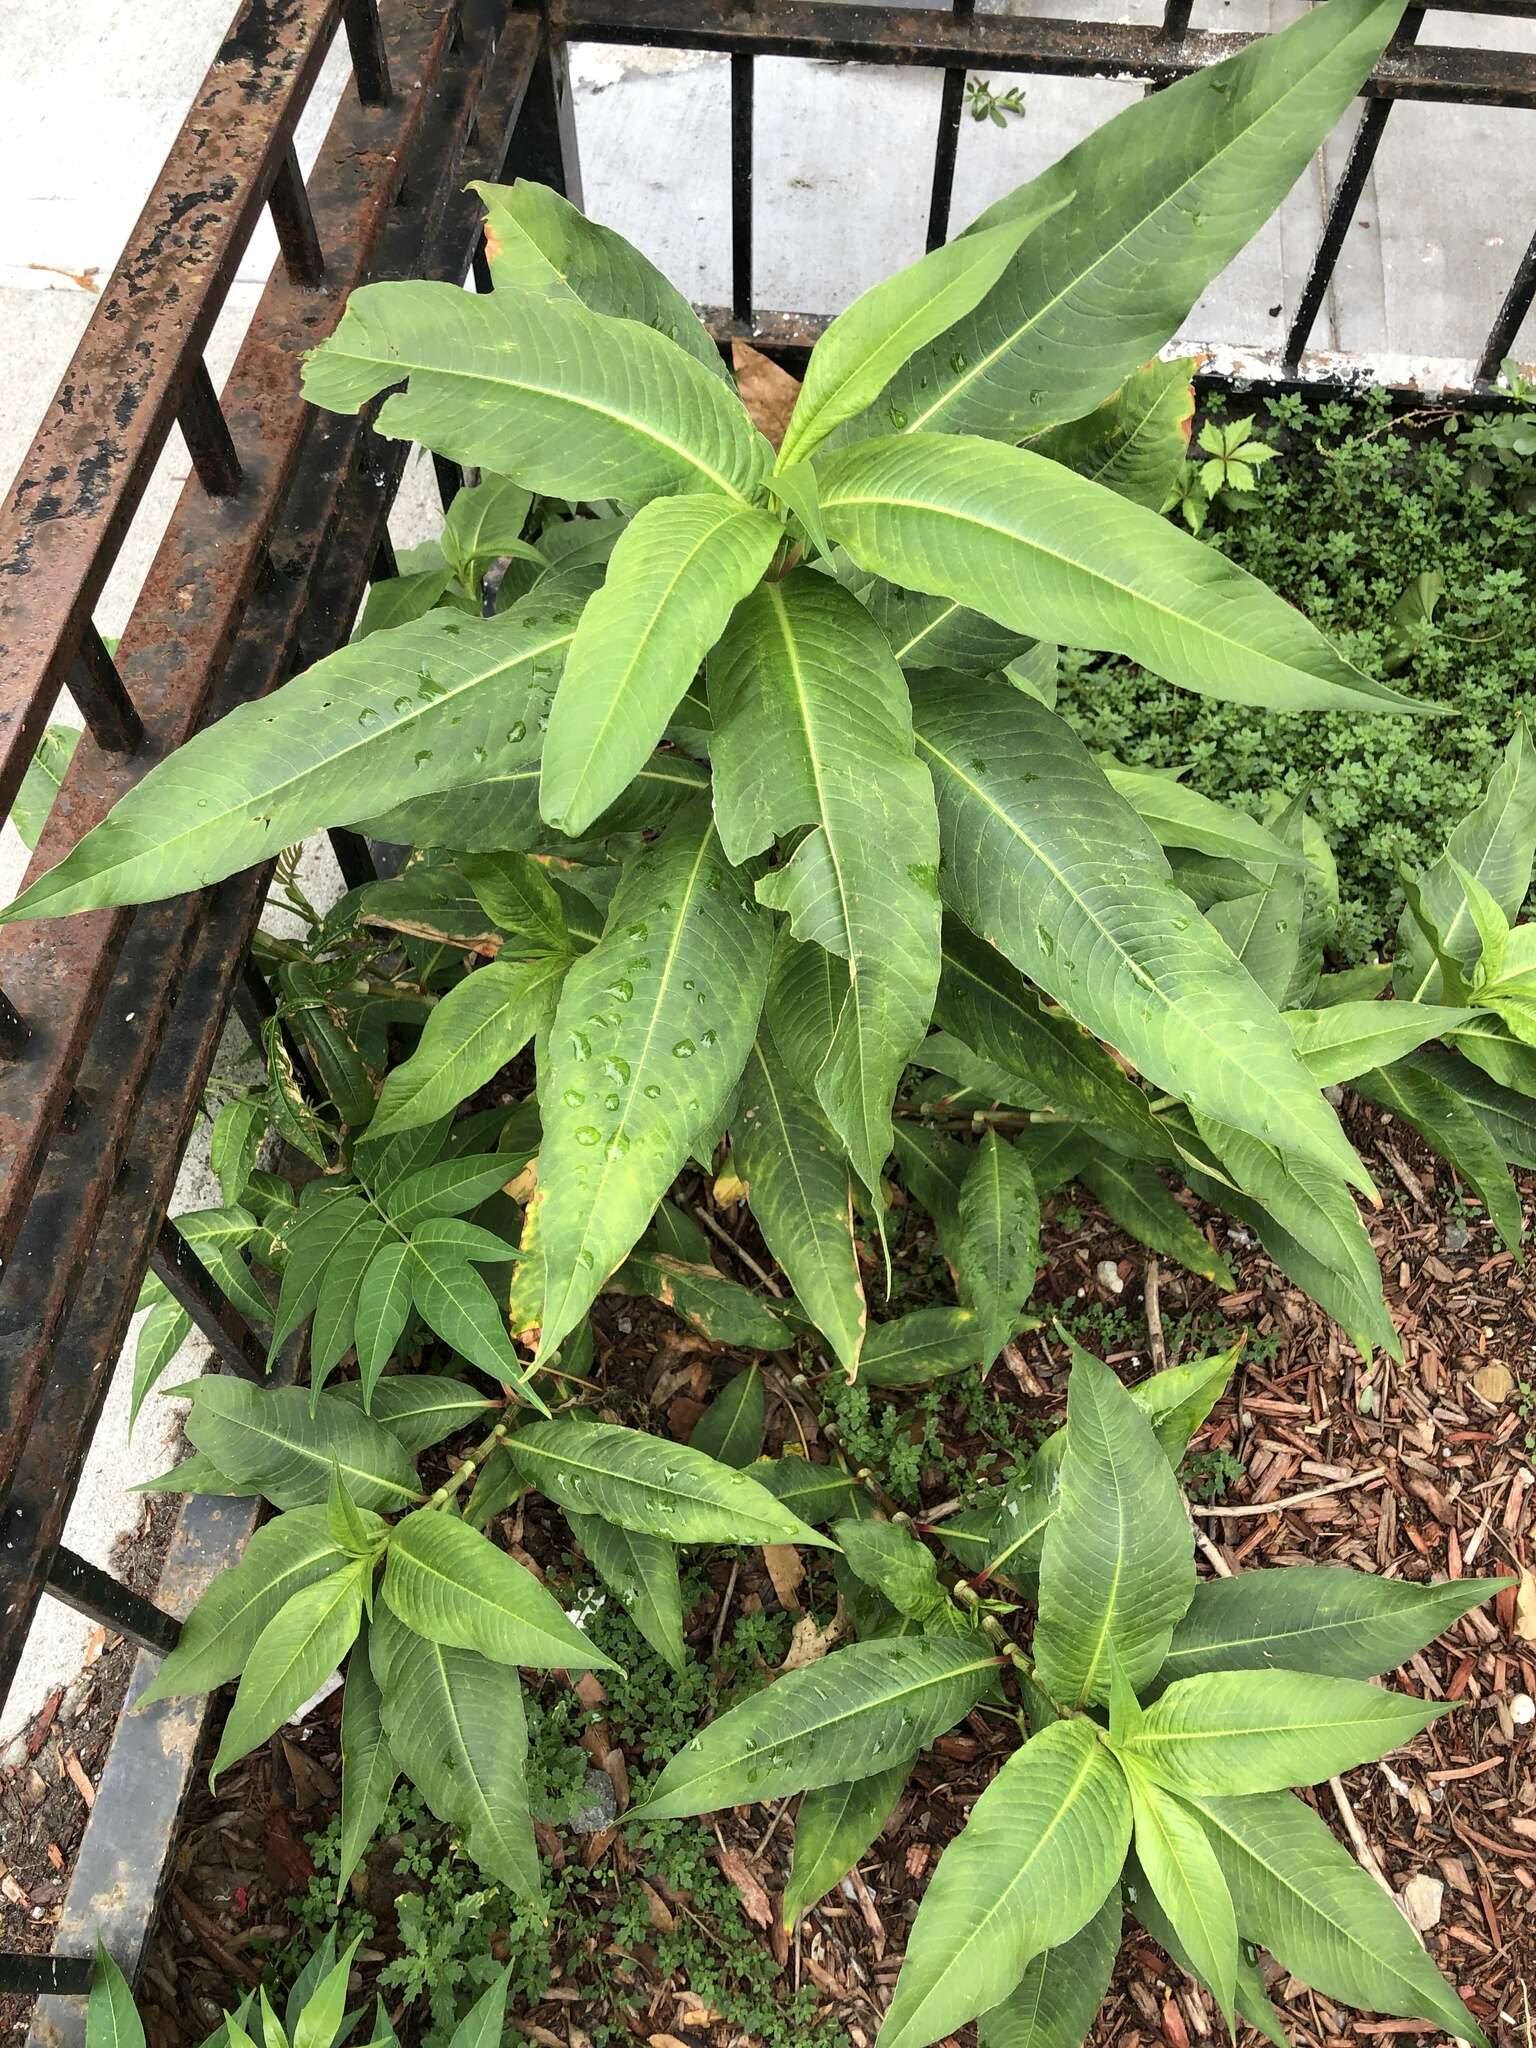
(652, 1030)
(1118, 1568)
(816, 1493)
(813, 728)
(1182, 817)
(800, 1195)
(1167, 193)
(867, 344)
(1349, 1038)
(456, 1303)
(165, 1329)
(716, 1307)
(1251, 1999)
(438, 702)
(341, 1284)
(845, 1716)
(283, 1557)
(455, 1586)
(642, 1571)
(1302, 1895)
(1180, 1865)
(420, 1408)
(1139, 1202)
(937, 632)
(1034, 1863)
(925, 1344)
(1508, 1112)
(557, 398)
(316, 2019)
(1050, 866)
(891, 1559)
(383, 1309)
(291, 1659)
(641, 1482)
(481, 1024)
(1264, 929)
(1456, 1132)
(195, 1474)
(484, 522)
(595, 263)
(1318, 1618)
(1052, 555)
(835, 1825)
(1227, 1732)
(679, 569)
(283, 1446)
(998, 1245)
(111, 2017)
(1495, 843)
(1054, 2003)
(455, 1723)
(216, 1236)
(451, 1187)
(1134, 442)
(518, 896)
(502, 811)
(368, 1767)
(731, 1427)
(396, 600)
(235, 1144)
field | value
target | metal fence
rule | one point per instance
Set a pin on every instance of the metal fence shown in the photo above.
(108, 1022)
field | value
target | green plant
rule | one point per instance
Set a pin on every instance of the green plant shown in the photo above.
(986, 104)
(1233, 459)
(314, 2016)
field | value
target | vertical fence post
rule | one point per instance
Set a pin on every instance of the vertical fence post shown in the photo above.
(543, 144)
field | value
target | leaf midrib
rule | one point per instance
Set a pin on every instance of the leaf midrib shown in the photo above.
(499, 1613)
(609, 1476)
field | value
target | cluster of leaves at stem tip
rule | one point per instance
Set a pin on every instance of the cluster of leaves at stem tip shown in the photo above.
(741, 798)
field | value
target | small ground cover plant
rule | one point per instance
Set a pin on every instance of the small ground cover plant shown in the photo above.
(854, 912)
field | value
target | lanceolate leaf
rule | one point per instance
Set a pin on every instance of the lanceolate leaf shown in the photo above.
(455, 1723)
(1508, 1113)
(1054, 2003)
(457, 1587)
(1456, 1132)
(642, 1571)
(800, 1195)
(420, 1408)
(1034, 1863)
(481, 1024)
(816, 1493)
(1316, 1618)
(716, 1307)
(383, 1309)
(845, 1716)
(540, 390)
(679, 568)
(438, 702)
(731, 1427)
(651, 1033)
(1181, 1867)
(998, 1245)
(1348, 1039)
(1182, 817)
(1050, 554)
(368, 1767)
(658, 1489)
(926, 1344)
(1302, 1895)
(1118, 1568)
(1057, 872)
(1166, 194)
(292, 1657)
(1139, 1202)
(813, 728)
(936, 632)
(1250, 1999)
(833, 1828)
(274, 1440)
(503, 810)
(1136, 440)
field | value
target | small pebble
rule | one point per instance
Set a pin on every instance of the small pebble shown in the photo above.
(599, 1805)
(1456, 1237)
(1522, 1710)
(1109, 1276)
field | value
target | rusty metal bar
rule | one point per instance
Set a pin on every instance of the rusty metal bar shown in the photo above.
(353, 857)
(80, 484)
(295, 224)
(206, 433)
(14, 1031)
(862, 34)
(384, 562)
(951, 105)
(193, 1288)
(741, 189)
(33, 1976)
(365, 44)
(98, 690)
(77, 1583)
(1517, 303)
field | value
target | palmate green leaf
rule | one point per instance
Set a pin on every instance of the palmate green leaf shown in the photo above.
(291, 1659)
(846, 1716)
(813, 728)
(1349, 1038)
(560, 399)
(216, 1236)
(1034, 1863)
(441, 701)
(835, 1825)
(652, 1030)
(1050, 866)
(1302, 1895)
(926, 1344)
(1134, 1195)
(276, 1442)
(800, 1194)
(454, 1586)
(1227, 1732)
(642, 1571)
(998, 1244)
(1317, 1618)
(455, 1723)
(1135, 442)
(1055, 2001)
(1117, 1569)
(1456, 1132)
(283, 1557)
(448, 1187)
(869, 341)
(639, 1482)
(714, 1306)
(1509, 1113)
(472, 1032)
(731, 1428)
(591, 262)
(1184, 818)
(368, 1767)
(1180, 1865)
(1496, 844)
(111, 2017)
(816, 1493)
(678, 571)
(1050, 554)
(1167, 193)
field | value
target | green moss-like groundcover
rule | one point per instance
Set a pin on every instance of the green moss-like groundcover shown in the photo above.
(1358, 509)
